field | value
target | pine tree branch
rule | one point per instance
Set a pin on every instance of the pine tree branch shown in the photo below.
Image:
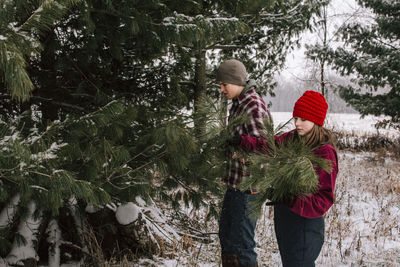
(183, 184)
(137, 155)
(119, 187)
(63, 104)
(292, 12)
(157, 225)
(386, 44)
(41, 174)
(200, 232)
(84, 75)
(225, 47)
(72, 245)
(150, 162)
(8, 179)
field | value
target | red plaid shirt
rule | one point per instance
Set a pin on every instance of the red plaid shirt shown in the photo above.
(252, 104)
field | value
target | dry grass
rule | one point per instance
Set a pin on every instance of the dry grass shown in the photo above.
(368, 142)
(363, 226)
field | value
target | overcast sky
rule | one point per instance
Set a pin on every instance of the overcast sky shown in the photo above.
(339, 12)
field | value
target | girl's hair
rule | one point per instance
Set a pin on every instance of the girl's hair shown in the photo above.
(319, 136)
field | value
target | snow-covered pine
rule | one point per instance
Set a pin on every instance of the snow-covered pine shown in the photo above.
(19, 43)
(189, 29)
(369, 59)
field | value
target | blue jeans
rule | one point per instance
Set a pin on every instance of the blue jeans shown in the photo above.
(236, 228)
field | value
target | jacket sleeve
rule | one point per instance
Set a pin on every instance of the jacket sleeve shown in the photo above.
(318, 204)
(256, 144)
(252, 143)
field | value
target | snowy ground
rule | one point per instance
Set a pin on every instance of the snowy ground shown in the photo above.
(362, 228)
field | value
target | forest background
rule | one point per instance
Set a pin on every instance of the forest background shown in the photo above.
(102, 109)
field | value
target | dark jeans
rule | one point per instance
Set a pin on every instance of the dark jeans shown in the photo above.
(299, 239)
(236, 228)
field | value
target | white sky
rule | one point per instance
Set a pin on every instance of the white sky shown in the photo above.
(339, 11)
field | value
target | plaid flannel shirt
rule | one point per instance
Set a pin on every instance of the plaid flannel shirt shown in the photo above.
(252, 104)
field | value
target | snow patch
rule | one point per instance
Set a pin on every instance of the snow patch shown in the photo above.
(127, 213)
(93, 208)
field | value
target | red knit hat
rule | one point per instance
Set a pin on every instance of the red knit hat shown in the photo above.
(311, 106)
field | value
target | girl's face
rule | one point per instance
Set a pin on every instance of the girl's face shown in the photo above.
(303, 126)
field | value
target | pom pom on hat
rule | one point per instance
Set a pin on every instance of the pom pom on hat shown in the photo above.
(232, 71)
(311, 106)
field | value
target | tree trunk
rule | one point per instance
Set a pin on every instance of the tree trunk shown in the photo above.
(324, 42)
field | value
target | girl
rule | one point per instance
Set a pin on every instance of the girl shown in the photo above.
(299, 226)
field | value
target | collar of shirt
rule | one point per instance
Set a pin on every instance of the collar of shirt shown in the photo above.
(241, 98)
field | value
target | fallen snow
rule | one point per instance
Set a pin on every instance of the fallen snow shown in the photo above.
(127, 213)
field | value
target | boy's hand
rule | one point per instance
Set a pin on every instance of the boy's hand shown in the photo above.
(236, 155)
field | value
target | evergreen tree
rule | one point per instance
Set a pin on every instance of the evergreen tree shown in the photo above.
(107, 120)
(274, 33)
(21, 24)
(260, 33)
(96, 159)
(372, 55)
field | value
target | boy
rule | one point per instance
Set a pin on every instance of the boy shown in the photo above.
(236, 229)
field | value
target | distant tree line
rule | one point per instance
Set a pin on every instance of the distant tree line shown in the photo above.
(370, 56)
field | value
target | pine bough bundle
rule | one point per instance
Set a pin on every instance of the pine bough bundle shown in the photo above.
(284, 171)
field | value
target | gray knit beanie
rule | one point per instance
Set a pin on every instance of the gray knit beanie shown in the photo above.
(232, 71)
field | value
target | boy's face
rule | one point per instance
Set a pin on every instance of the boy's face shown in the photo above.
(230, 90)
(303, 126)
